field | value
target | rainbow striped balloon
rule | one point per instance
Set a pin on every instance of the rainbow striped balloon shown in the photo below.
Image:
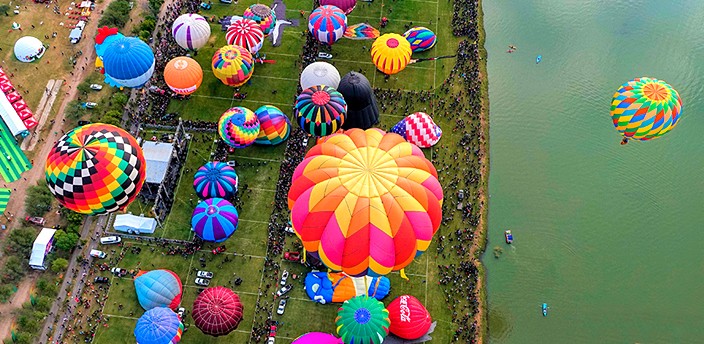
(274, 125)
(239, 127)
(263, 15)
(645, 108)
(320, 110)
(215, 179)
(421, 38)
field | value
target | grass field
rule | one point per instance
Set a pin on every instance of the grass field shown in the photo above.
(258, 167)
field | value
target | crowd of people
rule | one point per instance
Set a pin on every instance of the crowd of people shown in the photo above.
(464, 19)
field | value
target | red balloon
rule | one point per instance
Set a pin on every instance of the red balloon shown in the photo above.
(409, 318)
(217, 311)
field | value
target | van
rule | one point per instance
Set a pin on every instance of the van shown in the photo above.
(98, 254)
(110, 240)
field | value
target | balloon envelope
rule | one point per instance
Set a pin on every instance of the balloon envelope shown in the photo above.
(183, 75)
(327, 287)
(274, 126)
(214, 220)
(327, 24)
(129, 62)
(215, 180)
(645, 108)
(345, 5)
(191, 31)
(158, 326)
(391, 53)
(320, 73)
(317, 338)
(158, 288)
(239, 127)
(245, 33)
(362, 320)
(362, 109)
(95, 169)
(396, 198)
(409, 318)
(262, 15)
(320, 110)
(420, 38)
(233, 65)
(28, 49)
(419, 129)
(217, 311)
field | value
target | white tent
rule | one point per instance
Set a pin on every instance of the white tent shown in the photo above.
(42, 246)
(129, 223)
(28, 49)
(157, 156)
(11, 118)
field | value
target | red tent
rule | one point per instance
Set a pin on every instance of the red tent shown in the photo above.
(13, 96)
(6, 87)
(25, 113)
(217, 311)
(30, 123)
(19, 105)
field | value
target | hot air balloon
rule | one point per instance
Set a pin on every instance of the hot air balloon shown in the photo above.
(214, 220)
(239, 127)
(128, 62)
(409, 318)
(395, 196)
(419, 129)
(420, 38)
(158, 288)
(217, 311)
(327, 24)
(233, 65)
(320, 73)
(362, 109)
(95, 169)
(191, 31)
(645, 108)
(320, 110)
(158, 326)
(274, 126)
(215, 180)
(345, 5)
(183, 75)
(263, 15)
(362, 319)
(326, 287)
(391, 53)
(245, 33)
(361, 31)
(317, 338)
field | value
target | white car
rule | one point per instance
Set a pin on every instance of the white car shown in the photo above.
(96, 87)
(284, 290)
(284, 277)
(282, 307)
(91, 105)
(271, 340)
(108, 240)
(231, 163)
(324, 55)
(202, 282)
(204, 274)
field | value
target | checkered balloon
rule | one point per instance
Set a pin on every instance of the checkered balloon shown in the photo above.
(96, 169)
(418, 128)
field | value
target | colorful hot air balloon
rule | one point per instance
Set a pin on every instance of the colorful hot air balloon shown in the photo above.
(362, 319)
(274, 125)
(362, 109)
(245, 33)
(320, 110)
(361, 31)
(345, 5)
(409, 318)
(214, 220)
(158, 326)
(183, 75)
(420, 38)
(317, 338)
(239, 127)
(327, 24)
(396, 198)
(326, 287)
(191, 31)
(263, 15)
(217, 311)
(645, 108)
(391, 53)
(233, 65)
(96, 169)
(320, 73)
(128, 62)
(419, 129)
(215, 180)
(158, 288)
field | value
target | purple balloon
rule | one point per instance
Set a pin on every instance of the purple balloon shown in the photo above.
(317, 338)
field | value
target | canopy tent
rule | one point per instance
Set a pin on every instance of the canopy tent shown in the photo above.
(13, 96)
(19, 105)
(134, 224)
(11, 118)
(30, 122)
(158, 155)
(25, 113)
(42, 245)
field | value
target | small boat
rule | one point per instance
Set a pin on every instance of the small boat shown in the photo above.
(538, 59)
(545, 309)
(509, 236)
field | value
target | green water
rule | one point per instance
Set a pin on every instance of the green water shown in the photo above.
(609, 236)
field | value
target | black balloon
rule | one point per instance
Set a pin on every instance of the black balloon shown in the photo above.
(362, 110)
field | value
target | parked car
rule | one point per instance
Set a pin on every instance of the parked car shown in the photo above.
(98, 254)
(181, 312)
(282, 307)
(96, 87)
(204, 274)
(202, 282)
(284, 277)
(271, 340)
(285, 289)
(272, 331)
(292, 256)
(231, 163)
(460, 194)
(35, 220)
(219, 249)
(101, 279)
(109, 240)
(226, 1)
(90, 105)
(289, 228)
(118, 272)
(324, 55)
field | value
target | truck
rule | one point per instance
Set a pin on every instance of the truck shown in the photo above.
(77, 32)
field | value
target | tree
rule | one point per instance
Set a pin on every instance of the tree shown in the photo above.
(14, 269)
(4, 8)
(24, 338)
(117, 14)
(47, 287)
(20, 241)
(74, 110)
(59, 265)
(38, 200)
(84, 87)
(66, 241)
(6, 290)
(119, 100)
(43, 303)
(74, 221)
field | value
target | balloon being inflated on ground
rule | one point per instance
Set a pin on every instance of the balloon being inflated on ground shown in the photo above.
(274, 126)
(214, 220)
(420, 38)
(262, 15)
(362, 320)
(128, 62)
(183, 75)
(245, 33)
(158, 326)
(327, 24)
(317, 338)
(217, 311)
(362, 109)
(320, 73)
(158, 288)
(409, 318)
(233, 65)
(191, 31)
(239, 127)
(320, 110)
(345, 5)
(391, 53)
(327, 287)
(419, 129)
(95, 169)
(215, 180)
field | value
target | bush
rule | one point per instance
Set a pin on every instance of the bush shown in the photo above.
(6, 291)
(59, 265)
(74, 110)
(38, 200)
(74, 221)
(47, 287)
(116, 15)
(14, 269)
(66, 241)
(119, 100)
(20, 241)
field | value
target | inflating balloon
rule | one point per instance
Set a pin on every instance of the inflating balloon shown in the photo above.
(419, 129)
(320, 110)
(233, 65)
(245, 33)
(274, 126)
(215, 180)
(345, 5)
(217, 311)
(214, 220)
(391, 53)
(409, 318)
(317, 338)
(320, 73)
(362, 109)
(191, 31)
(183, 75)
(362, 320)
(420, 38)
(239, 127)
(327, 287)
(158, 326)
(327, 24)
(262, 15)
(158, 288)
